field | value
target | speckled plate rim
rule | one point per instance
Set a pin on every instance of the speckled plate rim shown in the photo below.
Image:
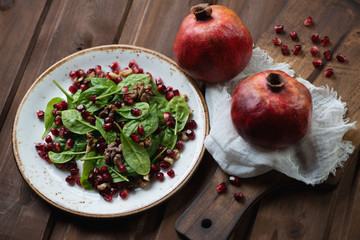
(103, 48)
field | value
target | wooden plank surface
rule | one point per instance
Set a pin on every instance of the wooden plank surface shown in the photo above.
(35, 34)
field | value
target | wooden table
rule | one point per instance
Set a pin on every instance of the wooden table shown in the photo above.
(36, 34)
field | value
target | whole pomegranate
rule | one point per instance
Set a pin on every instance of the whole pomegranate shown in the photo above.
(212, 44)
(271, 109)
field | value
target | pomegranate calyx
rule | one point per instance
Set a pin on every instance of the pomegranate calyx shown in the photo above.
(201, 11)
(275, 81)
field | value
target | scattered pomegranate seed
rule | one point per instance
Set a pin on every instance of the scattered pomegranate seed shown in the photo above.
(72, 74)
(114, 66)
(97, 69)
(48, 139)
(70, 143)
(293, 35)
(72, 89)
(234, 180)
(329, 72)
(160, 176)
(78, 181)
(164, 165)
(315, 38)
(83, 87)
(239, 196)
(135, 137)
(190, 134)
(159, 81)
(171, 173)
(107, 197)
(341, 58)
(170, 122)
(129, 186)
(169, 95)
(166, 115)
(132, 63)
(317, 63)
(122, 168)
(58, 120)
(276, 41)
(64, 105)
(154, 168)
(221, 188)
(161, 88)
(296, 49)
(191, 124)
(279, 28)
(70, 179)
(80, 73)
(314, 51)
(141, 130)
(179, 145)
(108, 126)
(40, 114)
(325, 41)
(284, 50)
(109, 120)
(328, 55)
(57, 146)
(123, 194)
(135, 112)
(308, 21)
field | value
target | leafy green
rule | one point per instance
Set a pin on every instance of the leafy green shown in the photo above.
(169, 139)
(155, 143)
(125, 111)
(63, 157)
(88, 166)
(69, 98)
(73, 121)
(161, 103)
(109, 136)
(116, 175)
(48, 117)
(179, 109)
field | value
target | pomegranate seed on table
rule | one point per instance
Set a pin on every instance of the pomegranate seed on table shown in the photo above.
(221, 188)
(135, 112)
(308, 21)
(72, 74)
(70, 143)
(160, 176)
(315, 38)
(239, 196)
(328, 55)
(140, 130)
(171, 173)
(123, 194)
(40, 114)
(122, 168)
(276, 41)
(293, 35)
(279, 28)
(341, 58)
(325, 41)
(296, 49)
(329, 72)
(317, 63)
(135, 137)
(190, 134)
(314, 51)
(234, 180)
(284, 50)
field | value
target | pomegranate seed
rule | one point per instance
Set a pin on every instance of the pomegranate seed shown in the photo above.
(179, 145)
(141, 70)
(314, 51)
(191, 124)
(284, 50)
(341, 58)
(91, 177)
(132, 63)
(58, 106)
(190, 134)
(106, 177)
(91, 120)
(64, 105)
(107, 127)
(54, 112)
(83, 87)
(40, 146)
(317, 63)
(122, 168)
(80, 73)
(160, 149)
(78, 181)
(279, 28)
(169, 89)
(296, 49)
(129, 101)
(169, 95)
(158, 130)
(90, 71)
(58, 120)
(135, 137)
(123, 194)
(64, 133)
(164, 165)
(130, 187)
(99, 178)
(154, 168)
(221, 188)
(293, 35)
(234, 180)
(176, 92)
(325, 41)
(40, 114)
(70, 143)
(135, 112)
(49, 147)
(171, 173)
(109, 120)
(117, 80)
(159, 81)
(329, 72)
(98, 69)
(160, 176)
(48, 139)
(161, 88)
(327, 55)
(117, 104)
(42, 154)
(276, 41)
(170, 122)
(70, 179)
(239, 196)
(122, 124)
(93, 98)
(308, 21)
(108, 76)
(96, 171)
(124, 89)
(114, 65)
(135, 69)
(76, 85)
(151, 77)
(85, 114)
(74, 171)
(170, 153)
(72, 74)
(166, 115)
(81, 107)
(315, 38)
(107, 197)
(141, 130)
(57, 146)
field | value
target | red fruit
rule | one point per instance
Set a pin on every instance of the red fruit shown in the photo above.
(293, 35)
(40, 146)
(40, 114)
(296, 49)
(135, 69)
(135, 137)
(169, 95)
(54, 132)
(80, 108)
(161, 88)
(190, 134)
(328, 55)
(314, 51)
(315, 38)
(58, 120)
(80, 73)
(279, 28)
(91, 120)
(276, 41)
(48, 139)
(160, 176)
(114, 66)
(170, 153)
(329, 72)
(122, 168)
(97, 69)
(132, 63)
(70, 143)
(325, 41)
(123, 194)
(171, 173)
(261, 106)
(135, 112)
(76, 85)
(239, 196)
(176, 92)
(78, 182)
(169, 89)
(191, 124)
(179, 145)
(166, 115)
(70, 179)
(64, 105)
(317, 63)
(93, 98)
(159, 81)
(57, 146)
(124, 89)
(58, 106)
(72, 74)
(129, 101)
(234, 180)
(170, 122)
(341, 58)
(164, 165)
(154, 168)
(107, 197)
(141, 130)
(74, 171)
(109, 120)
(221, 188)
(122, 124)
(214, 46)
(90, 71)
(85, 114)
(83, 87)
(284, 50)
(308, 21)
(108, 126)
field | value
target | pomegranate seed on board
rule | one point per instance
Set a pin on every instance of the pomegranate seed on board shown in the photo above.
(293, 35)
(40, 114)
(296, 49)
(276, 41)
(341, 58)
(308, 21)
(221, 188)
(328, 55)
(239, 196)
(317, 63)
(234, 180)
(315, 38)
(329, 72)
(314, 51)
(284, 50)
(325, 41)
(279, 28)
(171, 173)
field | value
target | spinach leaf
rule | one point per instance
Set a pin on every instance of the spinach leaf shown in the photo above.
(125, 111)
(155, 143)
(179, 109)
(108, 136)
(103, 82)
(73, 121)
(97, 90)
(48, 117)
(135, 155)
(116, 175)
(63, 157)
(79, 142)
(88, 166)
(69, 98)
(169, 139)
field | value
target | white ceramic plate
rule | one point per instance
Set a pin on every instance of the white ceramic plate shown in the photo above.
(49, 182)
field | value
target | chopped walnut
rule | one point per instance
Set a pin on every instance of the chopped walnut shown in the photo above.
(126, 73)
(91, 75)
(183, 136)
(183, 95)
(108, 111)
(142, 181)
(142, 93)
(146, 142)
(102, 186)
(113, 75)
(91, 142)
(169, 160)
(113, 154)
(177, 154)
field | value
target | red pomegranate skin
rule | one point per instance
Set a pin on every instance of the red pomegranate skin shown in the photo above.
(271, 117)
(213, 50)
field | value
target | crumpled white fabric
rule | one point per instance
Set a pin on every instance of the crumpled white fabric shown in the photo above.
(311, 160)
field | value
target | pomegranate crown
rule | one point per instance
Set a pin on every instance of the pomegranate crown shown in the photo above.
(201, 11)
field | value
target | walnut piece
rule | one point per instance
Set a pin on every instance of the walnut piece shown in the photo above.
(108, 111)
(142, 93)
(91, 142)
(113, 154)
(146, 142)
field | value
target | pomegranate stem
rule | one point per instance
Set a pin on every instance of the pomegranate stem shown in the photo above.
(201, 11)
